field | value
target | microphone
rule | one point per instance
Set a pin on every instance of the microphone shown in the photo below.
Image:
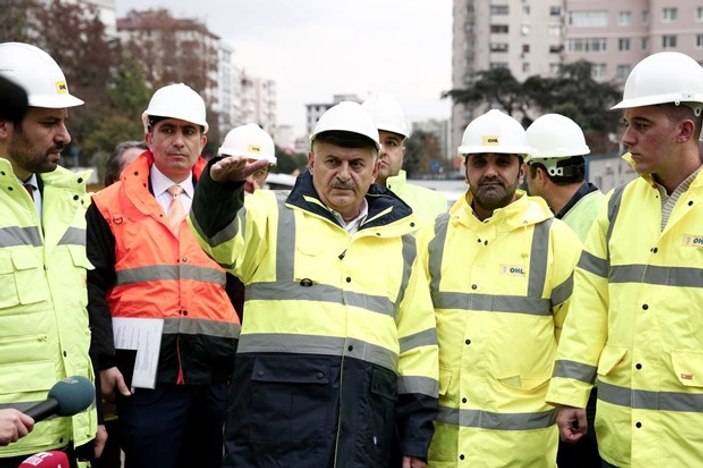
(51, 459)
(66, 398)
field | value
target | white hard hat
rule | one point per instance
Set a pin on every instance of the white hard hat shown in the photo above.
(556, 136)
(664, 77)
(248, 141)
(387, 113)
(494, 132)
(38, 73)
(347, 116)
(176, 101)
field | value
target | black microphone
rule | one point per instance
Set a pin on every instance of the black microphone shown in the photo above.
(66, 398)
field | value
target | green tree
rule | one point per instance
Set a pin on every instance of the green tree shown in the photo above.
(573, 93)
(420, 149)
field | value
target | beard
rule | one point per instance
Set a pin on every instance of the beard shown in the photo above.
(491, 194)
(26, 155)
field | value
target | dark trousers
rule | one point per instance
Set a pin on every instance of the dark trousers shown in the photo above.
(173, 426)
(584, 453)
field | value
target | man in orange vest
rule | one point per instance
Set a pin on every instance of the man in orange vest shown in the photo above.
(149, 266)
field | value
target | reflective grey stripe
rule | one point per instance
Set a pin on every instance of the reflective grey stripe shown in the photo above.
(575, 370)
(532, 305)
(415, 384)
(167, 272)
(492, 303)
(315, 344)
(318, 293)
(187, 326)
(409, 254)
(23, 406)
(285, 240)
(14, 235)
(423, 338)
(650, 274)
(613, 209)
(73, 236)
(539, 255)
(644, 399)
(592, 264)
(497, 421)
(563, 291)
(436, 251)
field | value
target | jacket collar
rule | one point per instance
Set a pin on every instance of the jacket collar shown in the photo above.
(384, 206)
(522, 212)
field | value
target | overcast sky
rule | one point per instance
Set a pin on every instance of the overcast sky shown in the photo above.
(313, 49)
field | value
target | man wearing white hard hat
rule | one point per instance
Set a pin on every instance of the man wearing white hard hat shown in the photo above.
(556, 169)
(393, 130)
(635, 322)
(338, 342)
(500, 270)
(253, 143)
(43, 318)
(150, 269)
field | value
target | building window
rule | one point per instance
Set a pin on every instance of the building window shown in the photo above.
(592, 44)
(624, 18)
(525, 29)
(469, 26)
(624, 44)
(526, 10)
(645, 43)
(598, 71)
(669, 14)
(497, 65)
(556, 48)
(699, 14)
(500, 10)
(554, 30)
(588, 19)
(554, 68)
(645, 17)
(699, 41)
(526, 48)
(499, 28)
(669, 42)
(554, 11)
(499, 46)
(622, 71)
(526, 67)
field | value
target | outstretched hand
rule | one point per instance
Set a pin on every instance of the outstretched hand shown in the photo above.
(235, 169)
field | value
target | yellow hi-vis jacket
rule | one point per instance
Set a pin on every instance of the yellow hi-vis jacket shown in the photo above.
(580, 217)
(338, 340)
(427, 204)
(636, 323)
(44, 334)
(501, 289)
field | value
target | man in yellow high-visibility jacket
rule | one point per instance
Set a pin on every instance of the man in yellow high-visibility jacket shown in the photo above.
(500, 270)
(636, 321)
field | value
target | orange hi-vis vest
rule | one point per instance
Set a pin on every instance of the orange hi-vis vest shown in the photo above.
(161, 275)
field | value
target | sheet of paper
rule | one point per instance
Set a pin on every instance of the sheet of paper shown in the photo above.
(144, 335)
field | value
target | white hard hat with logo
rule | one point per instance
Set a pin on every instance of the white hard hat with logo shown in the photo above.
(347, 116)
(39, 75)
(664, 77)
(387, 114)
(176, 101)
(248, 141)
(494, 132)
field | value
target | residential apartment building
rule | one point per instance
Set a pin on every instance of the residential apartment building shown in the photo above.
(535, 37)
(315, 111)
(258, 102)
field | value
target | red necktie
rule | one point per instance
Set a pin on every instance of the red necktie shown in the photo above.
(29, 189)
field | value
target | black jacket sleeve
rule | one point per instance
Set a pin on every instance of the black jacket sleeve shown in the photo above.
(100, 247)
(215, 204)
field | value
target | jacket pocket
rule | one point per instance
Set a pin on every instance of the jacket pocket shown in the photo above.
(27, 377)
(524, 382)
(291, 400)
(79, 257)
(610, 357)
(29, 277)
(445, 380)
(377, 438)
(688, 366)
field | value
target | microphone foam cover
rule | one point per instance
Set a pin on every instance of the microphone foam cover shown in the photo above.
(74, 394)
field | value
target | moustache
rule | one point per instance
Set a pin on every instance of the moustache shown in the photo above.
(491, 182)
(57, 147)
(342, 185)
